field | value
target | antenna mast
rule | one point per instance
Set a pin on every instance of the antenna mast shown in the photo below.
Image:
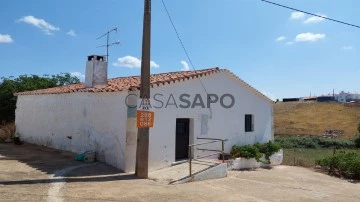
(107, 34)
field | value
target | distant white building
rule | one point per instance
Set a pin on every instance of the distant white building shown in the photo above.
(99, 114)
(347, 97)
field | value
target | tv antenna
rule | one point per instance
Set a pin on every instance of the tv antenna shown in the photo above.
(107, 45)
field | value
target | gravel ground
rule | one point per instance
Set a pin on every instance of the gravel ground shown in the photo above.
(32, 173)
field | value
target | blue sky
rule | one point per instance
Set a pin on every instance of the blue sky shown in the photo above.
(280, 53)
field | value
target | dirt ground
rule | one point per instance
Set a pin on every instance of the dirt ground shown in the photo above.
(33, 173)
(314, 118)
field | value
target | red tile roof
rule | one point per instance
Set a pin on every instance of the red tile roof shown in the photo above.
(125, 83)
(128, 83)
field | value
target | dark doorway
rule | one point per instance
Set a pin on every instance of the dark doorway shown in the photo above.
(182, 139)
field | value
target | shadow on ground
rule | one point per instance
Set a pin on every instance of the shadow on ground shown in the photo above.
(72, 179)
(49, 161)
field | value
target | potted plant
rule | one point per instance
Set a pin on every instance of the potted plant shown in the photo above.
(245, 157)
(272, 154)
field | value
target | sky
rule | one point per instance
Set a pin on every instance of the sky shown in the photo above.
(280, 52)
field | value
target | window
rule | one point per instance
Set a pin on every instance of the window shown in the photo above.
(249, 123)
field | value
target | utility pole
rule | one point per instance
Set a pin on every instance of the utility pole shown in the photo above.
(142, 147)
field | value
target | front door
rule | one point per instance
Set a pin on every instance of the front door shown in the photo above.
(182, 139)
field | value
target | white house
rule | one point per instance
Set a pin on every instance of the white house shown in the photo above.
(347, 97)
(100, 115)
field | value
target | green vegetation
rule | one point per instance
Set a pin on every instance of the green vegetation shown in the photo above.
(268, 149)
(345, 164)
(246, 151)
(11, 85)
(307, 157)
(357, 142)
(255, 151)
(313, 142)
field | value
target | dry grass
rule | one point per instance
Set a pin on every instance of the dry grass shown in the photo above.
(7, 131)
(314, 118)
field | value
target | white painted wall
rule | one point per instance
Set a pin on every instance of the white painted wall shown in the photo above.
(102, 121)
(225, 123)
(345, 97)
(95, 121)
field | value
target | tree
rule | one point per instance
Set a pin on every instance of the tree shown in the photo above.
(11, 85)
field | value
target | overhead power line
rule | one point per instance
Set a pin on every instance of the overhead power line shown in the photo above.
(186, 53)
(294, 9)
(181, 42)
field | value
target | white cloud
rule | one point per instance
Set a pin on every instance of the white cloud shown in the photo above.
(297, 15)
(78, 75)
(185, 66)
(314, 19)
(280, 38)
(71, 33)
(132, 62)
(347, 48)
(5, 38)
(309, 37)
(39, 23)
(290, 43)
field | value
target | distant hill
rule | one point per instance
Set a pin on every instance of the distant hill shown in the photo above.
(293, 118)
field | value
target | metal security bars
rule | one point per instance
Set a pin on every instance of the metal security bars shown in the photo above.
(211, 140)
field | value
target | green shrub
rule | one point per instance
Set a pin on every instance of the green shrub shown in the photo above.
(313, 142)
(343, 164)
(247, 151)
(268, 149)
(357, 142)
(255, 151)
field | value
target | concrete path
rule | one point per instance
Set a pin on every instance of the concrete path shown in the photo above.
(177, 172)
(27, 173)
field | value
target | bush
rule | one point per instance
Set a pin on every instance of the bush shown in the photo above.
(7, 131)
(313, 142)
(268, 149)
(357, 142)
(343, 164)
(255, 151)
(247, 151)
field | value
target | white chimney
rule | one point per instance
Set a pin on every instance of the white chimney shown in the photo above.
(96, 71)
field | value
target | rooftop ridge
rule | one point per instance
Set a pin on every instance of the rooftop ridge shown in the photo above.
(246, 84)
(125, 83)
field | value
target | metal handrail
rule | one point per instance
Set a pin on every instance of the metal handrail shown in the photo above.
(217, 151)
(203, 143)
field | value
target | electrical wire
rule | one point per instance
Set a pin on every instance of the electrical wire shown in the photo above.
(181, 42)
(183, 46)
(326, 18)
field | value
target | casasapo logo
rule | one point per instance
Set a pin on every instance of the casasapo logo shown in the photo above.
(185, 100)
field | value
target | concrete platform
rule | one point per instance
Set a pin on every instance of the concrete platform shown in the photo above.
(179, 173)
(27, 175)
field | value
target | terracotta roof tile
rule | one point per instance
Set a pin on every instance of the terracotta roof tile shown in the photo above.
(125, 83)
